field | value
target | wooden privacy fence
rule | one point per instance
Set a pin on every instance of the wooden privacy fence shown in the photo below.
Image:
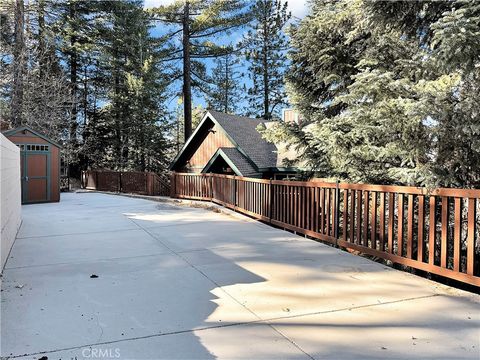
(436, 231)
(134, 182)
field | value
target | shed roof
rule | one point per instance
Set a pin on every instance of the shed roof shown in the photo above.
(236, 160)
(12, 132)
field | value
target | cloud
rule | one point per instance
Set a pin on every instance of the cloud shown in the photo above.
(154, 3)
(299, 8)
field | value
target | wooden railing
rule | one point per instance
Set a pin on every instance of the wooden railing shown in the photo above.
(437, 231)
(144, 183)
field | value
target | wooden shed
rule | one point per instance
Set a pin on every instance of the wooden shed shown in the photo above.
(39, 165)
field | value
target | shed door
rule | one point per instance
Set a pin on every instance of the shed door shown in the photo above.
(35, 174)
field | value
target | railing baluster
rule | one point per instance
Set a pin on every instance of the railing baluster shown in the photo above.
(421, 226)
(345, 214)
(371, 220)
(328, 207)
(366, 203)
(443, 244)
(382, 221)
(391, 221)
(432, 230)
(322, 209)
(352, 215)
(471, 236)
(400, 225)
(373, 230)
(359, 218)
(410, 227)
(456, 236)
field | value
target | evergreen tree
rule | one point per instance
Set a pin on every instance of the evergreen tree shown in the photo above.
(456, 50)
(91, 81)
(178, 134)
(19, 64)
(201, 22)
(74, 21)
(33, 84)
(385, 100)
(226, 93)
(132, 125)
(265, 47)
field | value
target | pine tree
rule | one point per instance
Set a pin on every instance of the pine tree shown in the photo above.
(226, 93)
(39, 95)
(133, 122)
(72, 51)
(74, 22)
(265, 47)
(19, 64)
(200, 22)
(456, 50)
(386, 99)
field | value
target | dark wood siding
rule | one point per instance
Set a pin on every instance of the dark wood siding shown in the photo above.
(215, 139)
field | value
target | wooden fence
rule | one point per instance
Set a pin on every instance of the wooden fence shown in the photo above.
(437, 231)
(144, 183)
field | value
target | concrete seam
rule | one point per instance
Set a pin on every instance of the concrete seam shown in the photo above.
(206, 328)
(85, 261)
(79, 233)
(227, 293)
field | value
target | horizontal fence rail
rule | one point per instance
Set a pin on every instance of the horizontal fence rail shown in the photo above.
(133, 182)
(436, 231)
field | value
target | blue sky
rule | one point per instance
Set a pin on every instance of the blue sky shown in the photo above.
(298, 8)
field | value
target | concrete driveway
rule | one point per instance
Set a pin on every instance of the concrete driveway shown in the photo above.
(175, 282)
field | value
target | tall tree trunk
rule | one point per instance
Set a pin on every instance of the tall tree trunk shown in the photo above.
(116, 110)
(41, 38)
(85, 95)
(266, 100)
(73, 75)
(142, 149)
(227, 79)
(19, 64)
(187, 85)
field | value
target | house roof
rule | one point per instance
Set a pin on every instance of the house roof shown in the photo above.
(29, 129)
(250, 148)
(236, 160)
(243, 131)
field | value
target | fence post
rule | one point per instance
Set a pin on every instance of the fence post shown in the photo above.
(119, 183)
(234, 193)
(173, 189)
(337, 211)
(148, 182)
(96, 180)
(271, 200)
(212, 196)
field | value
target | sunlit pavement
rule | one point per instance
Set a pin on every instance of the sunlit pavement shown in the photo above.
(172, 282)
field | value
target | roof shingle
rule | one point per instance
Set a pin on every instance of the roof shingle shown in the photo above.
(243, 130)
(241, 162)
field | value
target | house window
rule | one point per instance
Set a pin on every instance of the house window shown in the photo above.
(35, 147)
